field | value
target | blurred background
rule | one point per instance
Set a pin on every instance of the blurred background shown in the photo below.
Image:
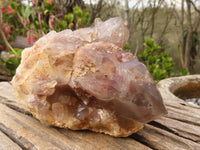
(164, 34)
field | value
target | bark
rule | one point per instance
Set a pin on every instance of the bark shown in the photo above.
(194, 6)
(188, 42)
(127, 14)
(66, 6)
(153, 14)
(167, 22)
(143, 24)
(96, 9)
(182, 47)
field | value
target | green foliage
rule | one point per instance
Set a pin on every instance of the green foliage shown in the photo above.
(79, 17)
(85, 19)
(10, 61)
(78, 12)
(159, 64)
(183, 72)
(127, 47)
(49, 7)
(32, 21)
(61, 25)
(69, 17)
(82, 17)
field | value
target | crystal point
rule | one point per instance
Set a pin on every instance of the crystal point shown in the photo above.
(84, 79)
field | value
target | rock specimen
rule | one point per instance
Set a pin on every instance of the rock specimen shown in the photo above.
(84, 80)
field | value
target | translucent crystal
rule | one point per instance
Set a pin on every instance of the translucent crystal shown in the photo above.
(84, 80)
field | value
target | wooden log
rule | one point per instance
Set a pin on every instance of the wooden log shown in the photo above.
(179, 130)
(31, 134)
(7, 143)
(7, 97)
(186, 130)
(161, 139)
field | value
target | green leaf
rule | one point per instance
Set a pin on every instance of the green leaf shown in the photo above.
(11, 61)
(160, 65)
(85, 21)
(149, 43)
(61, 25)
(13, 5)
(127, 47)
(86, 14)
(185, 71)
(69, 17)
(46, 11)
(78, 12)
(18, 51)
(49, 7)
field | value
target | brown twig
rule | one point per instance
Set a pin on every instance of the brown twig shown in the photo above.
(194, 6)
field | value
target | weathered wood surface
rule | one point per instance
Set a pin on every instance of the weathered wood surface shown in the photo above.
(179, 130)
(7, 143)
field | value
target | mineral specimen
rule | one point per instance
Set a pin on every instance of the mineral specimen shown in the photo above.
(84, 80)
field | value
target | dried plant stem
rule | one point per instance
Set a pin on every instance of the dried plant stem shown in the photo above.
(6, 41)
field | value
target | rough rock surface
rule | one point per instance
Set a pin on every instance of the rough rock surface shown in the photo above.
(84, 80)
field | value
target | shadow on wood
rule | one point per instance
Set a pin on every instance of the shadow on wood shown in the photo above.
(180, 129)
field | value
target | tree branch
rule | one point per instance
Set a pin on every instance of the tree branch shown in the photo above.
(194, 6)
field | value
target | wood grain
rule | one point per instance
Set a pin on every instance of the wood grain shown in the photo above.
(163, 140)
(31, 134)
(7, 143)
(179, 130)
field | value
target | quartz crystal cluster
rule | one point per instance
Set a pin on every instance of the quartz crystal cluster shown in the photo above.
(84, 80)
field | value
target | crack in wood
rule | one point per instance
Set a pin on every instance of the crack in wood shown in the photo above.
(3, 98)
(163, 133)
(159, 125)
(160, 139)
(12, 105)
(20, 141)
(6, 143)
(182, 120)
(35, 131)
(140, 139)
